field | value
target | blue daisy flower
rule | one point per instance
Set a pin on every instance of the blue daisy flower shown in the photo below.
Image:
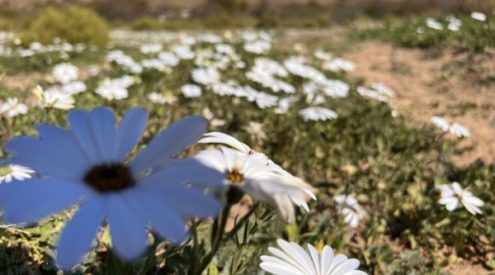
(88, 166)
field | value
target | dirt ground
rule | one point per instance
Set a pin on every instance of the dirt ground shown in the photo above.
(459, 87)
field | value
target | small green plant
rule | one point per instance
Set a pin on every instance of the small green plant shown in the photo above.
(73, 24)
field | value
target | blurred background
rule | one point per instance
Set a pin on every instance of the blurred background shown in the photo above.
(243, 13)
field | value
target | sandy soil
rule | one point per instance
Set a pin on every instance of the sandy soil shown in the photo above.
(428, 86)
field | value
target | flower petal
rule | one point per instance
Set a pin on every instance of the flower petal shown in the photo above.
(127, 227)
(81, 129)
(104, 130)
(186, 171)
(31, 200)
(157, 212)
(130, 131)
(83, 227)
(168, 143)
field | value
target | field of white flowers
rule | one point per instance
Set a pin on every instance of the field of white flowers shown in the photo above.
(227, 152)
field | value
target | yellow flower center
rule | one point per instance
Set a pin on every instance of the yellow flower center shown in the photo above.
(234, 176)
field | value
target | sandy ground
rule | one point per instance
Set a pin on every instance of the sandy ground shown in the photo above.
(428, 86)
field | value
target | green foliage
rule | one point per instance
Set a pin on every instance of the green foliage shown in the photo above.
(413, 32)
(73, 24)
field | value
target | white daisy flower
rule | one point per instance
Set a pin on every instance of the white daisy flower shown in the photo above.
(338, 65)
(292, 259)
(478, 16)
(434, 24)
(14, 172)
(75, 87)
(151, 48)
(256, 174)
(89, 164)
(350, 209)
(65, 73)
(190, 90)
(258, 46)
(161, 99)
(169, 59)
(205, 76)
(452, 194)
(54, 98)
(317, 113)
(12, 108)
(459, 130)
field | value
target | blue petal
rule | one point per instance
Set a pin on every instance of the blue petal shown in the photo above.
(77, 237)
(104, 129)
(127, 227)
(55, 154)
(186, 170)
(168, 143)
(81, 129)
(130, 131)
(187, 201)
(34, 199)
(154, 208)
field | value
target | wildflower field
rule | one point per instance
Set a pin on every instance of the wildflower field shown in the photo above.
(242, 151)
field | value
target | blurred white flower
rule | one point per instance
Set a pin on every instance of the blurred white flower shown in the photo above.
(441, 123)
(205, 76)
(292, 259)
(454, 128)
(75, 87)
(151, 48)
(258, 46)
(322, 55)
(54, 98)
(161, 99)
(169, 59)
(434, 24)
(115, 89)
(459, 130)
(454, 23)
(349, 207)
(183, 52)
(478, 16)
(452, 194)
(317, 113)
(12, 107)
(190, 90)
(65, 73)
(339, 64)
(14, 172)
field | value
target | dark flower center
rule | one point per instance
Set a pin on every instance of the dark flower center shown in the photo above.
(109, 177)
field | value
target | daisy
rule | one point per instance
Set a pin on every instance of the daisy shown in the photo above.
(255, 174)
(339, 64)
(89, 164)
(452, 194)
(350, 209)
(317, 114)
(441, 123)
(75, 87)
(65, 73)
(191, 90)
(151, 48)
(12, 108)
(434, 24)
(157, 98)
(14, 172)
(292, 259)
(478, 16)
(459, 130)
(54, 98)
(205, 76)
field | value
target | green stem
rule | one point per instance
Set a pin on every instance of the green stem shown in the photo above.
(217, 238)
